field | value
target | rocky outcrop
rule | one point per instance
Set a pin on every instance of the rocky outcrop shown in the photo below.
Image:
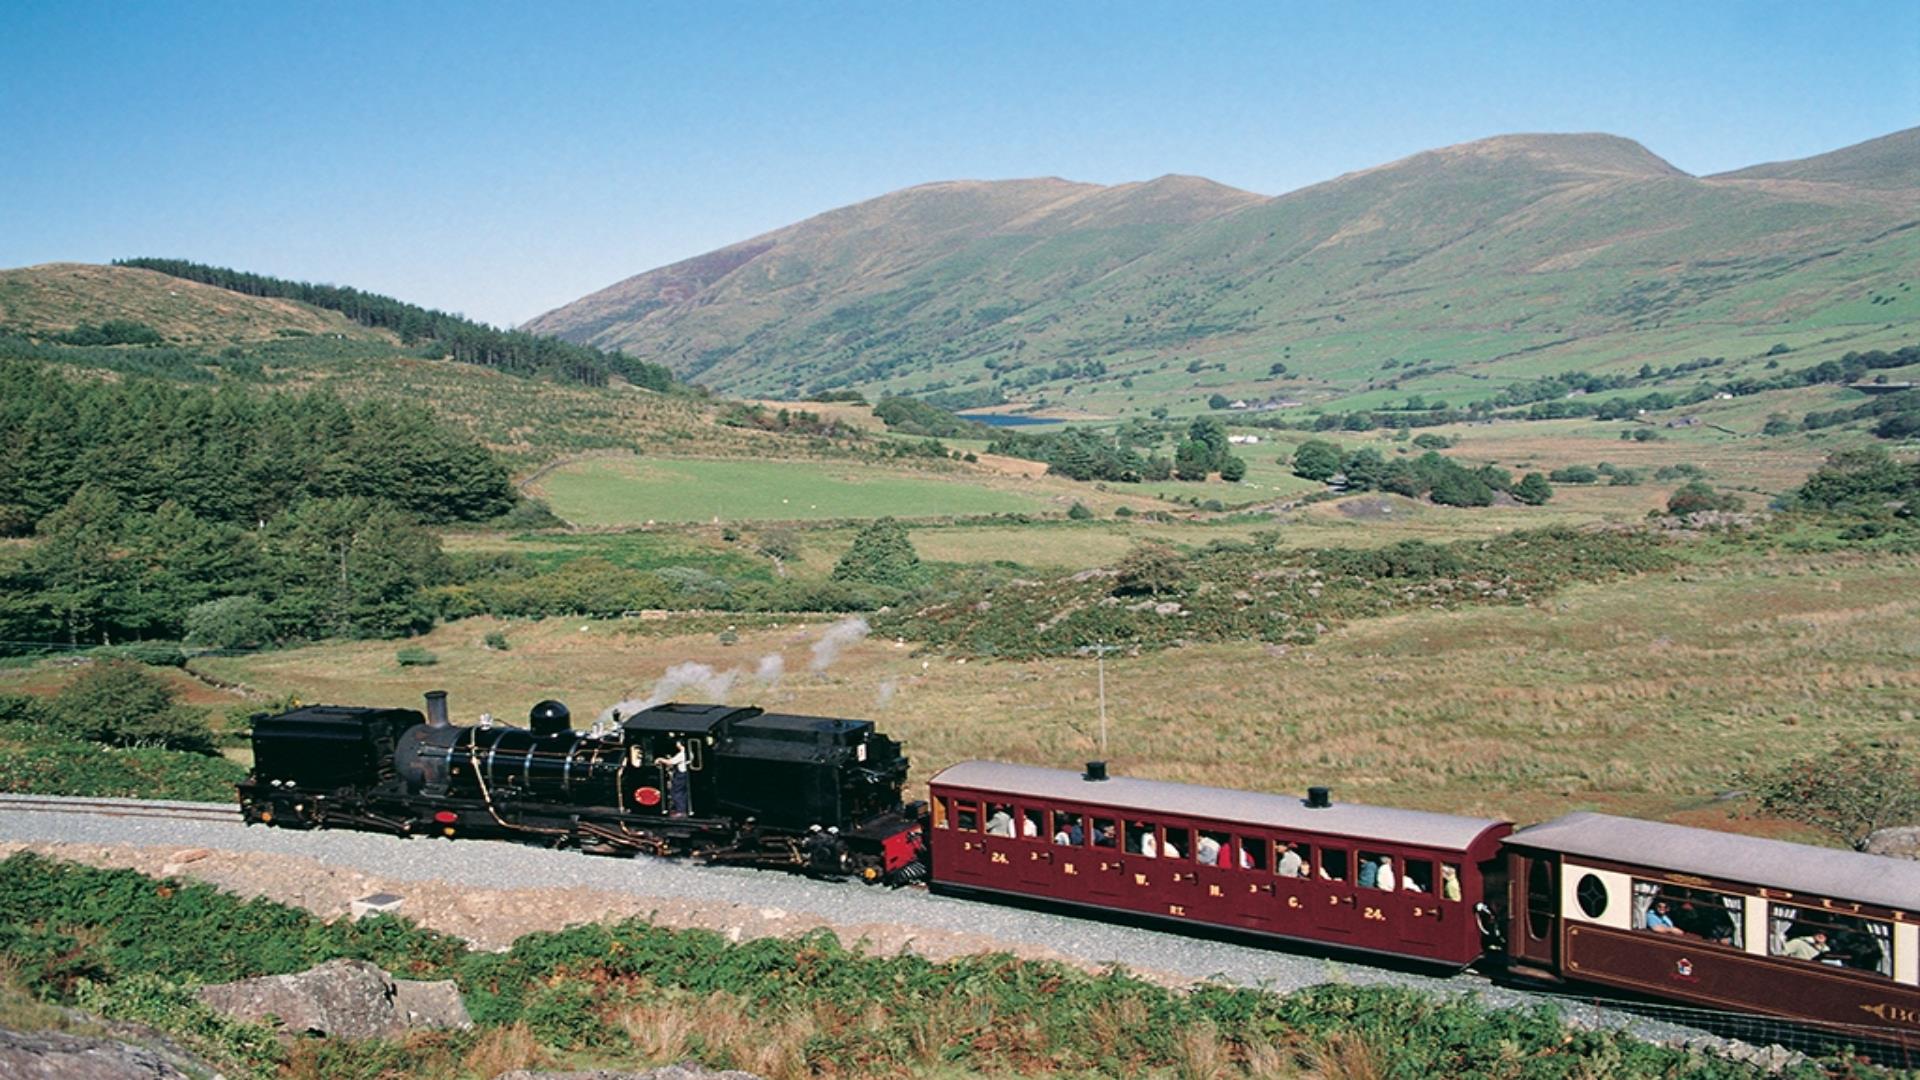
(1902, 842)
(46, 1055)
(342, 999)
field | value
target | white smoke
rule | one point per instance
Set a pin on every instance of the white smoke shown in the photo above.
(883, 696)
(772, 667)
(838, 637)
(704, 683)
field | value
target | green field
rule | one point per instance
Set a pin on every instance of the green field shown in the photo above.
(631, 491)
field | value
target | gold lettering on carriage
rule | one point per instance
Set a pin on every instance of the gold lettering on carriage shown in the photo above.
(1067, 869)
(1214, 890)
(1139, 879)
(1898, 1014)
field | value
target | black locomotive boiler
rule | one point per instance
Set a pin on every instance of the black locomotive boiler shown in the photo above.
(734, 785)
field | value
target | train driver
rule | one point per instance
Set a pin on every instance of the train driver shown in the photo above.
(679, 799)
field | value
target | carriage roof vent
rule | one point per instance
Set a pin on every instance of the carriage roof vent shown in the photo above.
(1318, 798)
(1096, 771)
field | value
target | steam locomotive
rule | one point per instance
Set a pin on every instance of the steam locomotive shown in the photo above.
(731, 785)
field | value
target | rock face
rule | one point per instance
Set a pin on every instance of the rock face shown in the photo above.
(342, 999)
(1898, 843)
(45, 1055)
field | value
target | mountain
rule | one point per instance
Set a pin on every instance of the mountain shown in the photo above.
(1478, 264)
(1888, 162)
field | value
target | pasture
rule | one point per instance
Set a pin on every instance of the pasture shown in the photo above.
(1642, 696)
(634, 490)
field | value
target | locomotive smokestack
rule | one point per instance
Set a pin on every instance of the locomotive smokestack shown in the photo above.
(1318, 798)
(436, 708)
(1096, 770)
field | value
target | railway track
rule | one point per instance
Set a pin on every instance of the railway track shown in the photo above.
(126, 808)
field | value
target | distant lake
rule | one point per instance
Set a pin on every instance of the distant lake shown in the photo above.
(1005, 419)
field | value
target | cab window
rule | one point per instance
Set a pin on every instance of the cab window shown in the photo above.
(942, 809)
(966, 816)
(1253, 853)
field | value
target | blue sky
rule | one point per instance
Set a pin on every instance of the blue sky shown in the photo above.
(502, 159)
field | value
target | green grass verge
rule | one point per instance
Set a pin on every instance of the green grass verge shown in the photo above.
(132, 947)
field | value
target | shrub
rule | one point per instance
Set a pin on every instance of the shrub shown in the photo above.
(1316, 459)
(415, 656)
(1152, 569)
(1849, 791)
(1695, 497)
(1079, 512)
(496, 640)
(1533, 489)
(231, 622)
(123, 704)
(1575, 474)
(1123, 511)
(882, 554)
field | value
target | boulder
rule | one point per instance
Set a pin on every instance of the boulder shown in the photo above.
(45, 1055)
(1902, 842)
(342, 999)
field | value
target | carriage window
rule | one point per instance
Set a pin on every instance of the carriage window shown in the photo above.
(1591, 892)
(1376, 871)
(1820, 936)
(1540, 905)
(1253, 853)
(941, 808)
(1033, 824)
(1176, 846)
(1333, 864)
(1140, 839)
(1213, 849)
(1000, 820)
(1716, 918)
(1067, 829)
(1103, 832)
(1291, 859)
(1449, 881)
(1416, 875)
(966, 816)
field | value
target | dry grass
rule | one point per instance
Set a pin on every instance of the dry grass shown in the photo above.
(1638, 697)
(667, 1028)
(503, 1049)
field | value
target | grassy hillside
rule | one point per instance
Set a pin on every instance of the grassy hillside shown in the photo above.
(56, 297)
(1474, 266)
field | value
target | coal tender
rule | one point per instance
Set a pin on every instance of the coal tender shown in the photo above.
(731, 785)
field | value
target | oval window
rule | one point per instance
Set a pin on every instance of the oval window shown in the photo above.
(1592, 894)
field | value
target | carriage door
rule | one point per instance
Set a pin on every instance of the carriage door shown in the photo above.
(1033, 854)
(1418, 911)
(1332, 897)
(1536, 906)
(969, 842)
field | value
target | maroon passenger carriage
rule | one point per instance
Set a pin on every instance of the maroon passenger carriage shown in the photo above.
(1210, 856)
(1765, 926)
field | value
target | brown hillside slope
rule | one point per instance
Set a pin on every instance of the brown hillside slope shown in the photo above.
(54, 297)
